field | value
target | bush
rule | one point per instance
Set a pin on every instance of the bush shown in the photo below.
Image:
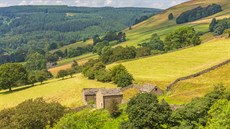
(32, 114)
(144, 111)
(85, 119)
(170, 16)
(62, 74)
(103, 75)
(143, 51)
(182, 37)
(114, 109)
(120, 76)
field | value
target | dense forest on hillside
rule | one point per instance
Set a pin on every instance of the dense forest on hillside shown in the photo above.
(198, 13)
(24, 27)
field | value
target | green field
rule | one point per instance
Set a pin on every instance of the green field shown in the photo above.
(163, 69)
(186, 90)
(159, 69)
(68, 92)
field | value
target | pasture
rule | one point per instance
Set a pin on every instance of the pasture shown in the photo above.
(165, 68)
(68, 92)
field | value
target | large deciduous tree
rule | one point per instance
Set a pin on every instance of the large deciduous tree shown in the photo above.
(12, 74)
(182, 37)
(121, 76)
(36, 61)
(145, 111)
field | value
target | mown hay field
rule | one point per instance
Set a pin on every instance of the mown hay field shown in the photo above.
(68, 92)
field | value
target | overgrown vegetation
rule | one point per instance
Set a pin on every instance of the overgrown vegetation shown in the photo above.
(219, 26)
(31, 114)
(94, 69)
(145, 111)
(198, 13)
(50, 27)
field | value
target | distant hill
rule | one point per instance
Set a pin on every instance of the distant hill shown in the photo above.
(24, 27)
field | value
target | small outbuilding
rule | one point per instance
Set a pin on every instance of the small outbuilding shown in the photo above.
(149, 88)
(89, 95)
(105, 97)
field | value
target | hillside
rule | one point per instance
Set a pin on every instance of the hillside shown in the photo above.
(163, 69)
(162, 26)
(67, 92)
(184, 91)
(159, 69)
(49, 27)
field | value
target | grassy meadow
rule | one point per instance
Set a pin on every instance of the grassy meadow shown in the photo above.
(184, 91)
(159, 69)
(163, 69)
(68, 92)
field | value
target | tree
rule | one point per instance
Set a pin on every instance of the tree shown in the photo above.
(51, 57)
(70, 72)
(120, 76)
(41, 76)
(182, 37)
(85, 119)
(37, 114)
(143, 51)
(170, 16)
(212, 25)
(96, 39)
(155, 43)
(62, 74)
(11, 75)
(36, 61)
(32, 79)
(219, 115)
(114, 109)
(145, 111)
(76, 67)
(198, 13)
(195, 113)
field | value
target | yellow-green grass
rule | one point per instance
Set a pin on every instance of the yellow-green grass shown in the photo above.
(78, 58)
(68, 92)
(161, 25)
(163, 69)
(184, 91)
(66, 63)
(75, 45)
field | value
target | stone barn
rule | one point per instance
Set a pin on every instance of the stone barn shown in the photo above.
(149, 88)
(89, 95)
(105, 97)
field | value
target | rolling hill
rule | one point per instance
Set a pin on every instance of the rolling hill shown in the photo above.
(159, 69)
(162, 26)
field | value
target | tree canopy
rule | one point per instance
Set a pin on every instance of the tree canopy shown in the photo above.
(11, 75)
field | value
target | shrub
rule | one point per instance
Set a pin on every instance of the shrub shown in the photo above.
(120, 76)
(62, 74)
(114, 109)
(32, 114)
(145, 111)
(182, 37)
(85, 119)
(170, 16)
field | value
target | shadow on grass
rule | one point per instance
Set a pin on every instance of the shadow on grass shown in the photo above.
(21, 88)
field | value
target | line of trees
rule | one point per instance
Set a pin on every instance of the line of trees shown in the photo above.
(219, 26)
(95, 69)
(180, 38)
(146, 111)
(34, 70)
(198, 13)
